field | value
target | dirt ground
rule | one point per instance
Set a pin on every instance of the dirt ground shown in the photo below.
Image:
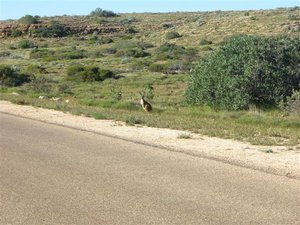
(279, 160)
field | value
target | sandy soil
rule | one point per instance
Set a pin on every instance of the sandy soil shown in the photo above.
(272, 159)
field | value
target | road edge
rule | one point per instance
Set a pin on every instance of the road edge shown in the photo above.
(233, 162)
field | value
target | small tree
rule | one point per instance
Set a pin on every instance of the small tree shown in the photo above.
(103, 13)
(28, 19)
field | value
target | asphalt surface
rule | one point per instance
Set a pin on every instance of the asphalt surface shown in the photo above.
(55, 175)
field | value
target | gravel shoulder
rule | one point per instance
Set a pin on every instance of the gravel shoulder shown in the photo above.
(279, 160)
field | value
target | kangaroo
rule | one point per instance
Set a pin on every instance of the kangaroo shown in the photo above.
(146, 105)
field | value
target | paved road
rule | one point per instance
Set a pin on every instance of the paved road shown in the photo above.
(55, 175)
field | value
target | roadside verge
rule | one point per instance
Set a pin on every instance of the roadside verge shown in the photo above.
(277, 160)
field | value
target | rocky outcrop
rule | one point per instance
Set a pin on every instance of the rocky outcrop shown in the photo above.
(83, 28)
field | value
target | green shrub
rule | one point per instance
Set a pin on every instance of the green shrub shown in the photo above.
(132, 120)
(10, 77)
(140, 65)
(64, 88)
(109, 51)
(170, 51)
(26, 44)
(167, 25)
(131, 30)
(99, 116)
(204, 41)
(102, 41)
(129, 20)
(35, 69)
(61, 54)
(171, 67)
(16, 33)
(200, 22)
(93, 38)
(246, 70)
(103, 13)
(4, 54)
(179, 66)
(28, 19)
(172, 35)
(95, 54)
(135, 52)
(148, 91)
(158, 67)
(88, 73)
(54, 29)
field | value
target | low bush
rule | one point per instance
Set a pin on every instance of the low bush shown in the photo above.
(134, 52)
(159, 67)
(148, 91)
(108, 51)
(42, 84)
(131, 30)
(204, 41)
(171, 67)
(170, 51)
(63, 88)
(10, 77)
(102, 41)
(167, 25)
(50, 55)
(115, 93)
(140, 65)
(54, 29)
(88, 73)
(28, 19)
(129, 44)
(200, 22)
(247, 70)
(132, 120)
(102, 13)
(16, 33)
(35, 69)
(128, 20)
(26, 44)
(4, 54)
(172, 35)
(179, 66)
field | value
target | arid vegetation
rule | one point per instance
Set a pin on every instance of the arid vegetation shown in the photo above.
(225, 74)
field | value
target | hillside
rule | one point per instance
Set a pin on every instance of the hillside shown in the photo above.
(145, 52)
